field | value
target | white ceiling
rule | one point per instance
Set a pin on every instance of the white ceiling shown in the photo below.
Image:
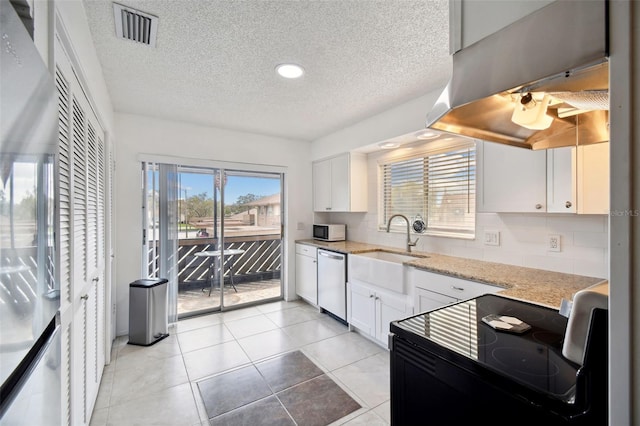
(214, 61)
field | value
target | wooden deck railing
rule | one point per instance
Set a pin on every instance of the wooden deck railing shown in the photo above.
(19, 278)
(262, 259)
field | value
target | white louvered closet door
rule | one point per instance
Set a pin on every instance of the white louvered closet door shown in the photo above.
(81, 244)
(63, 231)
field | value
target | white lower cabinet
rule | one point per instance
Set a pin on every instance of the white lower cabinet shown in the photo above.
(371, 309)
(432, 290)
(307, 273)
(426, 300)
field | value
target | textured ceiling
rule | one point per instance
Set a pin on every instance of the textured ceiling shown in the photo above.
(214, 61)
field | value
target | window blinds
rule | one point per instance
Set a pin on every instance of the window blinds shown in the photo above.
(438, 187)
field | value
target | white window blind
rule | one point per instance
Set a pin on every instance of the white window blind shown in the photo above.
(438, 187)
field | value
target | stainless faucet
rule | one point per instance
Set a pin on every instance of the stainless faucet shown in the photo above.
(409, 242)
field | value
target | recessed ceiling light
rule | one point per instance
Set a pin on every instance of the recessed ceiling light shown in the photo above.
(388, 145)
(426, 134)
(290, 70)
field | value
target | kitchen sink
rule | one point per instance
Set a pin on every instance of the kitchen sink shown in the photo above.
(380, 268)
(388, 257)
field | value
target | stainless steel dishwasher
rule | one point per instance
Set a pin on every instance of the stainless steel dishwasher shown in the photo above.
(332, 283)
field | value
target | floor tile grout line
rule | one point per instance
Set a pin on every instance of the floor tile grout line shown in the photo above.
(296, 347)
(273, 392)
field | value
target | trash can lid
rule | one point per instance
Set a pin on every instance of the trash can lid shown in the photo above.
(148, 282)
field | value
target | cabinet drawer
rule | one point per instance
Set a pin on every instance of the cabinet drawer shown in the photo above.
(449, 286)
(306, 250)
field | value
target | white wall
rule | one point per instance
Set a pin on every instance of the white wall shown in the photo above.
(139, 134)
(405, 118)
(624, 299)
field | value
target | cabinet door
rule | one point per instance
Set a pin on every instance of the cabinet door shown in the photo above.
(362, 308)
(451, 287)
(340, 182)
(307, 278)
(82, 226)
(593, 179)
(561, 180)
(428, 300)
(389, 308)
(322, 186)
(512, 179)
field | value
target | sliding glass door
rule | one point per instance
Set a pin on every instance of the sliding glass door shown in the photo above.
(251, 236)
(227, 228)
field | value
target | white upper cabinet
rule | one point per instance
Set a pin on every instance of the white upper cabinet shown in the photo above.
(322, 182)
(340, 183)
(578, 179)
(592, 177)
(559, 180)
(511, 179)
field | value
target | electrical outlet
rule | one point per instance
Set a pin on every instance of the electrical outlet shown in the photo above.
(553, 243)
(491, 237)
(300, 226)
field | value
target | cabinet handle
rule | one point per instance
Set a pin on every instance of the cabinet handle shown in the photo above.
(95, 280)
(377, 298)
(327, 208)
(85, 297)
(370, 296)
(457, 288)
(568, 204)
(538, 206)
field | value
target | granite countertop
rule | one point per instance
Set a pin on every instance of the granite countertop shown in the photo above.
(533, 285)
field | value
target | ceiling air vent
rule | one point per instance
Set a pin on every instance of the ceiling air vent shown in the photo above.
(134, 25)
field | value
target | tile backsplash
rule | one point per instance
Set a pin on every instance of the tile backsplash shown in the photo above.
(523, 240)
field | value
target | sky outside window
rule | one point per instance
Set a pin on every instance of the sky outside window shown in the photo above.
(236, 186)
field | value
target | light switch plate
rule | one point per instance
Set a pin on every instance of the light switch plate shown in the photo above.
(491, 237)
(553, 243)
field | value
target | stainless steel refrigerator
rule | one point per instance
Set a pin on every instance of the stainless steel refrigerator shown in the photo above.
(30, 370)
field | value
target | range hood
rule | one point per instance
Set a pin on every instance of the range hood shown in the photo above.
(557, 57)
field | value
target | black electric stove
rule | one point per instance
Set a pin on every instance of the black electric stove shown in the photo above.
(449, 367)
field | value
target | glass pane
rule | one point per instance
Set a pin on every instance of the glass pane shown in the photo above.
(198, 289)
(29, 294)
(451, 191)
(252, 237)
(403, 191)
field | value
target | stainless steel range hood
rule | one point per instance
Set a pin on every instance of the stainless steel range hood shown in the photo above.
(560, 51)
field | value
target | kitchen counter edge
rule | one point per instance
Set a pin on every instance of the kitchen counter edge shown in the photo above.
(529, 284)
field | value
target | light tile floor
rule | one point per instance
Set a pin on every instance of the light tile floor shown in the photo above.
(157, 385)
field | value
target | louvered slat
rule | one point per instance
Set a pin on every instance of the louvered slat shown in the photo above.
(101, 200)
(66, 374)
(92, 197)
(79, 190)
(64, 184)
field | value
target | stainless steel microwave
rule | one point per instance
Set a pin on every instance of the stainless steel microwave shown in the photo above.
(329, 232)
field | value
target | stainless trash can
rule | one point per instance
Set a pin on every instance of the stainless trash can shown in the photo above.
(147, 311)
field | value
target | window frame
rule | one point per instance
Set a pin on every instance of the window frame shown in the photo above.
(432, 149)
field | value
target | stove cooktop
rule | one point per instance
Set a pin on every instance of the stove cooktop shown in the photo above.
(533, 358)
